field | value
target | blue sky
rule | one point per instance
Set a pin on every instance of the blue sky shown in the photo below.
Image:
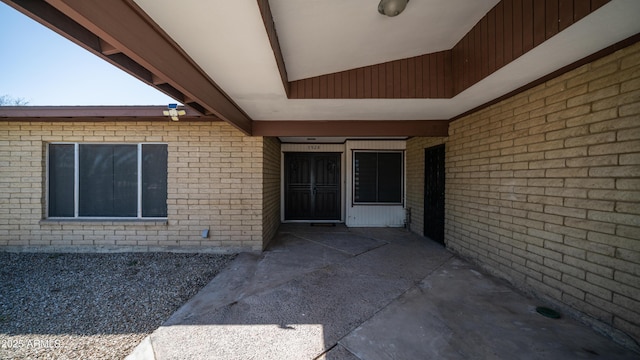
(44, 68)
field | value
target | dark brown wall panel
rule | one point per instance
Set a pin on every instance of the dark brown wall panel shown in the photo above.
(442, 79)
(477, 52)
(374, 82)
(353, 83)
(404, 78)
(426, 83)
(520, 25)
(381, 80)
(448, 71)
(491, 40)
(552, 17)
(539, 22)
(389, 80)
(331, 86)
(581, 8)
(308, 87)
(499, 15)
(345, 84)
(361, 82)
(418, 72)
(367, 82)
(517, 29)
(316, 88)
(509, 30)
(323, 87)
(472, 65)
(484, 50)
(397, 79)
(595, 4)
(411, 78)
(456, 64)
(527, 25)
(423, 76)
(565, 14)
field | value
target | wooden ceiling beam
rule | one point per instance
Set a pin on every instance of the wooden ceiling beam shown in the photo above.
(270, 27)
(156, 80)
(108, 49)
(53, 19)
(143, 47)
(320, 128)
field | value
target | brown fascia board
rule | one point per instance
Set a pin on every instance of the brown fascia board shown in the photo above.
(145, 51)
(94, 112)
(320, 128)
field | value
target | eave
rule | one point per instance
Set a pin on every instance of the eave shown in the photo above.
(126, 36)
(95, 113)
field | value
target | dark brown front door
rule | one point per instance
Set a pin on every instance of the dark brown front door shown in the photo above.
(312, 186)
(434, 193)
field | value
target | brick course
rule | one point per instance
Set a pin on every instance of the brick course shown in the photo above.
(216, 177)
(543, 190)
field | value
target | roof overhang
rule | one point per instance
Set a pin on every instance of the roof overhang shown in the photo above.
(96, 113)
(231, 59)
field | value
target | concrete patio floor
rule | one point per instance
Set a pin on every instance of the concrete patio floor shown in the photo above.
(337, 293)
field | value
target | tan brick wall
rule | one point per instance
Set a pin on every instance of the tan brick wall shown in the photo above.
(271, 189)
(215, 181)
(544, 189)
(415, 178)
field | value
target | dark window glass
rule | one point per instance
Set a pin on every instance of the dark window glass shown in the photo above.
(61, 180)
(390, 177)
(365, 176)
(377, 177)
(108, 182)
(154, 180)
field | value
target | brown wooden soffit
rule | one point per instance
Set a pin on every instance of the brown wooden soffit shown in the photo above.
(105, 28)
(509, 30)
(319, 128)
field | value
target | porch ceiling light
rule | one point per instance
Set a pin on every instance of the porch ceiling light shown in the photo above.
(392, 7)
(173, 112)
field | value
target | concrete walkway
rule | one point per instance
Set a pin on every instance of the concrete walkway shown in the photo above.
(336, 293)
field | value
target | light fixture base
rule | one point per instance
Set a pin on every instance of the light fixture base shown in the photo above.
(392, 8)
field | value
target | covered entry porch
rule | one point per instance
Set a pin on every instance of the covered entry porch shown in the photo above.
(334, 292)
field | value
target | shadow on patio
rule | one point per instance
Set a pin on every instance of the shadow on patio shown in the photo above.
(338, 293)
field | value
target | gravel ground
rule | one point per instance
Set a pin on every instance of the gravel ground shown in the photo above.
(93, 306)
